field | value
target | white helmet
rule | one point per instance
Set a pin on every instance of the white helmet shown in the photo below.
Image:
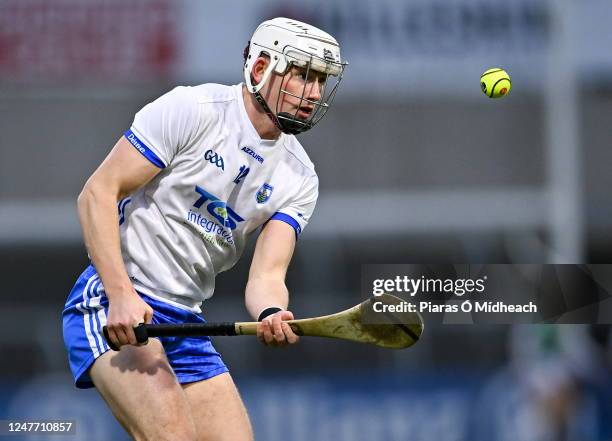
(292, 43)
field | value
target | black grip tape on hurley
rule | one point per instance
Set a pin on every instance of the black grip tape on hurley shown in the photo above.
(142, 336)
(144, 331)
(191, 329)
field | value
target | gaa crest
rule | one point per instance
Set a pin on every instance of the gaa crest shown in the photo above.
(264, 193)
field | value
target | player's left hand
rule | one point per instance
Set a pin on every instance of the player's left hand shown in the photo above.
(273, 331)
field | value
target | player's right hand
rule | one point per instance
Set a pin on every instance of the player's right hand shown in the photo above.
(273, 331)
(124, 313)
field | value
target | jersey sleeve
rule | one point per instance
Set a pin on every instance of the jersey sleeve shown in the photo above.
(297, 213)
(164, 126)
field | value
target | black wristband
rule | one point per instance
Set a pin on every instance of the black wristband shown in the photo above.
(268, 311)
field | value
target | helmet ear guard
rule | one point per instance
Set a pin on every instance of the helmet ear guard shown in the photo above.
(290, 43)
(248, 77)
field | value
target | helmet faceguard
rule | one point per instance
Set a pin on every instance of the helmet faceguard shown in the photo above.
(288, 44)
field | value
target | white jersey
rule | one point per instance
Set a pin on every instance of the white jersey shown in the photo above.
(219, 182)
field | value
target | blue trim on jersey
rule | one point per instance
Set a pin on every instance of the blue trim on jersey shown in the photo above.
(288, 220)
(121, 207)
(143, 148)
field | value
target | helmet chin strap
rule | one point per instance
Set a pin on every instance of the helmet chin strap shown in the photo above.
(262, 102)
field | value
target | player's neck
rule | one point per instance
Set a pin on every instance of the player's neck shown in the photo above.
(262, 122)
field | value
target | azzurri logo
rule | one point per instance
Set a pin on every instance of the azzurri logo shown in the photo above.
(215, 158)
(217, 208)
(249, 151)
(244, 170)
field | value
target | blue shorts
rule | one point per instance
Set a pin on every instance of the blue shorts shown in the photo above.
(191, 358)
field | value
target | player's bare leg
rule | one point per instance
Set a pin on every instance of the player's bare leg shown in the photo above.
(217, 410)
(143, 393)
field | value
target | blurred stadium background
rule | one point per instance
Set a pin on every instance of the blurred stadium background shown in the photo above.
(415, 165)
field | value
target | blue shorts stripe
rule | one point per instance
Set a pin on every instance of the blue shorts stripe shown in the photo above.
(101, 317)
(92, 324)
(83, 308)
(90, 308)
(92, 320)
(94, 308)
